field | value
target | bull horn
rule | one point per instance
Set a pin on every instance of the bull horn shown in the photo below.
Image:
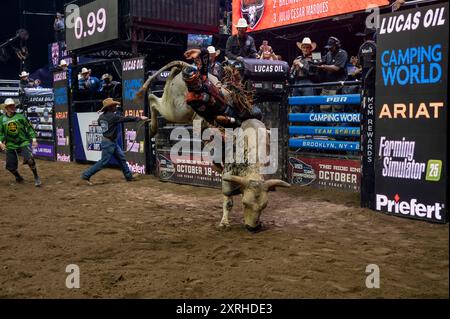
(271, 184)
(236, 179)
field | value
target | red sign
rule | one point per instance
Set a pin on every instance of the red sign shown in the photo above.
(266, 14)
(325, 172)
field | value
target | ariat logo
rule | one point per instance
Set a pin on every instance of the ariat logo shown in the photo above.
(432, 110)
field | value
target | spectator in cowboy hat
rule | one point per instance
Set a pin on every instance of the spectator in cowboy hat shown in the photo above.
(25, 80)
(88, 82)
(15, 135)
(109, 121)
(63, 66)
(302, 73)
(215, 68)
(241, 45)
(109, 87)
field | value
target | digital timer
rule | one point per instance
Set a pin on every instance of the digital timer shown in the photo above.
(93, 23)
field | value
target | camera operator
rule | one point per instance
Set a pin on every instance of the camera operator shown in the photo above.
(334, 69)
(303, 73)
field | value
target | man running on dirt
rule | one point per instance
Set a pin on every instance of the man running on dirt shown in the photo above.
(109, 121)
(15, 135)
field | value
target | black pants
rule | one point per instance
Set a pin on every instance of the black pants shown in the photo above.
(12, 158)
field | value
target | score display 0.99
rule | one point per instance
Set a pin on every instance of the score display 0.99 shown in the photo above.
(93, 23)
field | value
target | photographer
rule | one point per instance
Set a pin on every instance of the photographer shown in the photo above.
(302, 72)
(334, 69)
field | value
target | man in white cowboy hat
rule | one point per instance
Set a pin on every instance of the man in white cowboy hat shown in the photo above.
(215, 68)
(109, 121)
(63, 65)
(302, 72)
(88, 82)
(241, 45)
(15, 135)
(24, 79)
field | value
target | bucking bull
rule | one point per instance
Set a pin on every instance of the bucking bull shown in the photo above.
(245, 179)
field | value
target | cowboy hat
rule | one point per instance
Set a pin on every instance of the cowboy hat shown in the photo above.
(63, 63)
(24, 74)
(107, 103)
(107, 76)
(7, 103)
(307, 41)
(84, 71)
(242, 23)
(212, 50)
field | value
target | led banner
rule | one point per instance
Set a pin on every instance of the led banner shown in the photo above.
(62, 124)
(411, 114)
(133, 73)
(267, 14)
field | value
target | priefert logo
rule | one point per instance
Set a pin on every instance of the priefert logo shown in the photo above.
(412, 207)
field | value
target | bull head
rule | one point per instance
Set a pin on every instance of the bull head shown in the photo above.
(251, 11)
(254, 197)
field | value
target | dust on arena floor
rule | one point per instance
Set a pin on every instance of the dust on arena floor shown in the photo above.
(149, 239)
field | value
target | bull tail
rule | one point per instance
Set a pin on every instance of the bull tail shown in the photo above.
(143, 90)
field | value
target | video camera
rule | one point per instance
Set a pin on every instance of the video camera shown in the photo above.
(310, 67)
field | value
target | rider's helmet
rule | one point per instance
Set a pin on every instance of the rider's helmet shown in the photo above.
(191, 76)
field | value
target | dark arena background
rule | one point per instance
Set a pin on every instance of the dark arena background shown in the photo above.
(365, 155)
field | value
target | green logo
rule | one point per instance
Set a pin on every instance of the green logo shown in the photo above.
(434, 169)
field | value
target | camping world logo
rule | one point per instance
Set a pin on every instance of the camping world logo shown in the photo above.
(252, 11)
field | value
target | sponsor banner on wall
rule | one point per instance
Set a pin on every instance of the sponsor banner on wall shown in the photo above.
(411, 113)
(88, 136)
(267, 14)
(186, 171)
(45, 150)
(61, 109)
(341, 174)
(133, 73)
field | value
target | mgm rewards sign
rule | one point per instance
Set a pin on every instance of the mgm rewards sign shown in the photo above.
(411, 114)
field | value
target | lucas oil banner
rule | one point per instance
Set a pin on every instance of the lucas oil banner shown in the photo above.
(133, 73)
(61, 109)
(411, 114)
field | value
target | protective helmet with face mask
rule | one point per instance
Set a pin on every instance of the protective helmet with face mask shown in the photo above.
(191, 76)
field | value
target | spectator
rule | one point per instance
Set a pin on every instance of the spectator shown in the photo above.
(303, 73)
(59, 27)
(37, 84)
(266, 52)
(25, 81)
(334, 69)
(88, 82)
(109, 87)
(215, 68)
(242, 45)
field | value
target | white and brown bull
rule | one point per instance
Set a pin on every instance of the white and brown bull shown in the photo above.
(245, 179)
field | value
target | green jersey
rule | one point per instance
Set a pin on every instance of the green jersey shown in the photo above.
(16, 131)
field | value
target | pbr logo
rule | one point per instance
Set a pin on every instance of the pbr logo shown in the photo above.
(252, 11)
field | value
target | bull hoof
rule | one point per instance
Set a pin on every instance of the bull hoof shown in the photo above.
(224, 226)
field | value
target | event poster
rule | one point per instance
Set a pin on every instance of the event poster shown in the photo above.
(186, 171)
(411, 114)
(343, 174)
(62, 124)
(267, 14)
(133, 73)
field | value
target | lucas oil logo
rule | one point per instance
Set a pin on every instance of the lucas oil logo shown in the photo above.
(252, 11)
(12, 127)
(411, 208)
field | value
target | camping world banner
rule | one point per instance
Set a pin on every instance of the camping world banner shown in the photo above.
(411, 114)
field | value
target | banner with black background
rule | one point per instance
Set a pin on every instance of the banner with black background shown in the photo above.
(133, 73)
(411, 113)
(62, 125)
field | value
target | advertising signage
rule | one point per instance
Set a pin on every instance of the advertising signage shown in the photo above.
(133, 73)
(62, 123)
(267, 14)
(411, 114)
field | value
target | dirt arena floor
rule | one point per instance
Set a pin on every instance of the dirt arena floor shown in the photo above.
(149, 239)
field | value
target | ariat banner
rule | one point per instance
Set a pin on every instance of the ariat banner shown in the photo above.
(133, 73)
(411, 114)
(62, 118)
